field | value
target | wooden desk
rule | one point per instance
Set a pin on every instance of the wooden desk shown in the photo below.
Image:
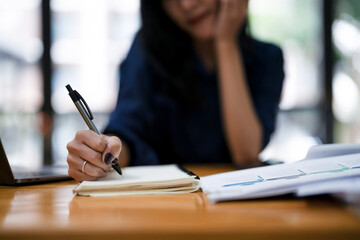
(51, 211)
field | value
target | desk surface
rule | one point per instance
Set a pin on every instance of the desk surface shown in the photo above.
(51, 211)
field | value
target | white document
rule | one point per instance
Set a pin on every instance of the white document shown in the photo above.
(343, 185)
(286, 172)
(315, 167)
(332, 150)
(279, 179)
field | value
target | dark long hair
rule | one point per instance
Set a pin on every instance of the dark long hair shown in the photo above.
(168, 49)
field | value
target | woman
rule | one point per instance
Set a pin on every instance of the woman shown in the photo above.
(195, 88)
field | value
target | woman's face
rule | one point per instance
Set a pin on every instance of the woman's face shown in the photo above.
(195, 17)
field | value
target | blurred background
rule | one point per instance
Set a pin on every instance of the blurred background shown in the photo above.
(46, 44)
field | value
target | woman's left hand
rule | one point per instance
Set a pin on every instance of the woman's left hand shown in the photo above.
(231, 17)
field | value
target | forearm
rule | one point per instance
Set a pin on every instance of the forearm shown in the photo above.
(242, 127)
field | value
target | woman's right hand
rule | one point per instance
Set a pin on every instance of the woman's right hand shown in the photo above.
(90, 156)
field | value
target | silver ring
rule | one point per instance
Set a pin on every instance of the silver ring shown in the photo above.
(83, 166)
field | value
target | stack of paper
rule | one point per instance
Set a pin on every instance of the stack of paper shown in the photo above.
(330, 174)
(142, 180)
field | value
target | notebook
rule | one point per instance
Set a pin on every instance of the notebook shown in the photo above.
(21, 176)
(159, 179)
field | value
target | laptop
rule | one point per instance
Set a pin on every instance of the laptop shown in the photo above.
(9, 176)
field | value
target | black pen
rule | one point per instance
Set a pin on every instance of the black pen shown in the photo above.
(87, 115)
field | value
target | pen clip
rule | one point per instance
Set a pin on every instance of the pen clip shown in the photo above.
(82, 100)
(75, 96)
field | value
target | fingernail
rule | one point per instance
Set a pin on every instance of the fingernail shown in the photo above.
(108, 158)
(115, 161)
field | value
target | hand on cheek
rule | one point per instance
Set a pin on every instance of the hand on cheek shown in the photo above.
(231, 17)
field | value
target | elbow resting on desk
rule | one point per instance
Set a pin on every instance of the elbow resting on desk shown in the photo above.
(246, 154)
(246, 159)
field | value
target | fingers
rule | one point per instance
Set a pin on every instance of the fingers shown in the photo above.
(227, 6)
(112, 150)
(84, 152)
(243, 7)
(80, 176)
(80, 171)
(99, 152)
(84, 169)
(232, 15)
(234, 9)
(91, 139)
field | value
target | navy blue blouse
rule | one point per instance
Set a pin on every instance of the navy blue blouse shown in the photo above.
(158, 130)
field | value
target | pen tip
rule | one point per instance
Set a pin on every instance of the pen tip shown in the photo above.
(117, 168)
